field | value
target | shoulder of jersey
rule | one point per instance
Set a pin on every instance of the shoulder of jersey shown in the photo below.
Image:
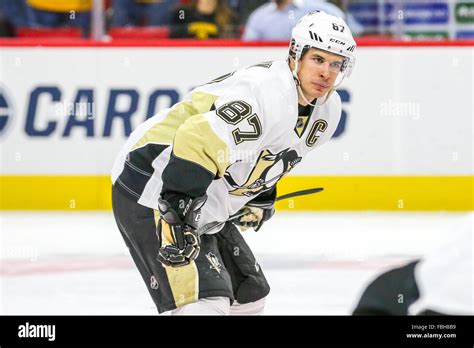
(267, 81)
(334, 104)
(274, 86)
(274, 75)
(268, 86)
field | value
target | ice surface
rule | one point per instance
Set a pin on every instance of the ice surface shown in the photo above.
(316, 263)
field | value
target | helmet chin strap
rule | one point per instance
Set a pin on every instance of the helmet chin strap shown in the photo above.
(298, 84)
(300, 91)
(333, 89)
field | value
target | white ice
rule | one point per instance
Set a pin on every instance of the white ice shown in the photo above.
(316, 263)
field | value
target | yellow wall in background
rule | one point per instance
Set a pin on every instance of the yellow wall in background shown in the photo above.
(406, 193)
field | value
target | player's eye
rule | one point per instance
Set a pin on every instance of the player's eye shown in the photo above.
(336, 65)
(319, 60)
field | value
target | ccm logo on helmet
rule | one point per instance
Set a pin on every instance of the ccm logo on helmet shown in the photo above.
(339, 42)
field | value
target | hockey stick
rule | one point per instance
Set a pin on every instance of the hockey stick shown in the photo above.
(299, 193)
(206, 228)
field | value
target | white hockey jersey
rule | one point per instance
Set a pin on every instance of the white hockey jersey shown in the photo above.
(445, 276)
(232, 139)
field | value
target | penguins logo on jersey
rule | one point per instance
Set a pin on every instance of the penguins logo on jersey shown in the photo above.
(214, 261)
(268, 169)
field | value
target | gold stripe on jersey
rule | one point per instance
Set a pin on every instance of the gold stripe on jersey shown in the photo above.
(202, 102)
(196, 142)
(164, 131)
(183, 281)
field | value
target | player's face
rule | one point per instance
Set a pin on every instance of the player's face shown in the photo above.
(318, 72)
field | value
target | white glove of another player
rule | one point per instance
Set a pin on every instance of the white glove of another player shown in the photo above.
(255, 214)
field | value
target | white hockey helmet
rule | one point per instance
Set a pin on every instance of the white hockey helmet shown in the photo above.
(329, 33)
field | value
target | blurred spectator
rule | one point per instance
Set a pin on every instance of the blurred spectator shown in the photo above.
(57, 13)
(243, 8)
(203, 19)
(336, 8)
(14, 14)
(141, 12)
(274, 21)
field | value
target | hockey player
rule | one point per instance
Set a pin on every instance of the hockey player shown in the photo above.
(222, 149)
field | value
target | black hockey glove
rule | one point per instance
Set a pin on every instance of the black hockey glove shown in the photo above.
(177, 231)
(256, 213)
